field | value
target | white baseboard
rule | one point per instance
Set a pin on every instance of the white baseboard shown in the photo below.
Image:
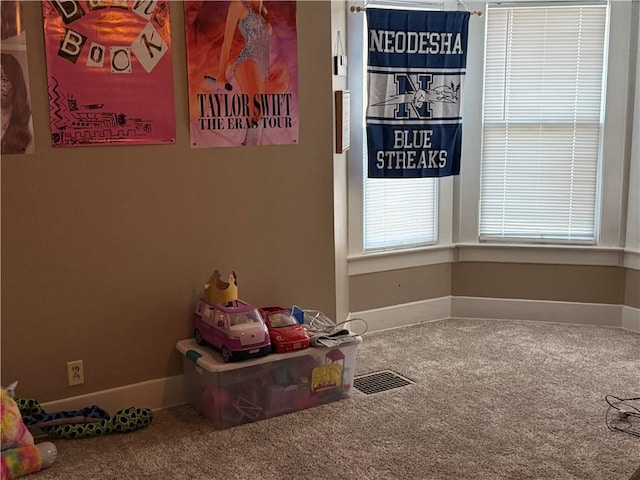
(153, 394)
(500, 308)
(406, 314)
(631, 319)
(167, 392)
(537, 310)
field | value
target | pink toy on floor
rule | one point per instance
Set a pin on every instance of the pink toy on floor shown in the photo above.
(20, 455)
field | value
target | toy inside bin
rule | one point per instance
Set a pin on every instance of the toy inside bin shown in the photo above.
(230, 394)
(313, 320)
(298, 313)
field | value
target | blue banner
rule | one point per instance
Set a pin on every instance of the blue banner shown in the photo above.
(416, 68)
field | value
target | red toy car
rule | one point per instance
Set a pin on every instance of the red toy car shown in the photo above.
(285, 332)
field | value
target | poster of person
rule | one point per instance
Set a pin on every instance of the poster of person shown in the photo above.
(242, 58)
(110, 72)
(17, 124)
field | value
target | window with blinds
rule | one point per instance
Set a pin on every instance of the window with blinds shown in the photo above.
(542, 122)
(397, 212)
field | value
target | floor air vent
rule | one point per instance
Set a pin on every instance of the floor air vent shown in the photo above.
(380, 381)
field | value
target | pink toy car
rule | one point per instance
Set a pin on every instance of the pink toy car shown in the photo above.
(285, 331)
(236, 329)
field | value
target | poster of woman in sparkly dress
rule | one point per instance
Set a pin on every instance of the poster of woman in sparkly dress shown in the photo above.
(242, 61)
(110, 72)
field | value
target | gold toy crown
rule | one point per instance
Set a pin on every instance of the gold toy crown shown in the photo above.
(219, 291)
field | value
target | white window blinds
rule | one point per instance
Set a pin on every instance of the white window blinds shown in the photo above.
(399, 212)
(542, 123)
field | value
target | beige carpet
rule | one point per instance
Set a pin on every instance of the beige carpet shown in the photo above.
(492, 400)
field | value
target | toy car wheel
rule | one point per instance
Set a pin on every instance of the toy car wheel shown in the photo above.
(198, 336)
(226, 354)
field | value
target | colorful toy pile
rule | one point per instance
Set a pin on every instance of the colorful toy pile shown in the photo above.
(238, 329)
(233, 394)
(20, 454)
(297, 377)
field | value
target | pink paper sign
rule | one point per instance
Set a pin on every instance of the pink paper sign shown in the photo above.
(110, 73)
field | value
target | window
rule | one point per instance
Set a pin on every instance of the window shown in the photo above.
(509, 191)
(385, 214)
(543, 122)
(399, 212)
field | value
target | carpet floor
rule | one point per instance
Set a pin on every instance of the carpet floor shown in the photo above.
(492, 400)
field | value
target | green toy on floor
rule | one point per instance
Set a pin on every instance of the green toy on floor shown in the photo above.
(88, 422)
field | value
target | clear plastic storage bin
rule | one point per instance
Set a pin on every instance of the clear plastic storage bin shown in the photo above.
(230, 394)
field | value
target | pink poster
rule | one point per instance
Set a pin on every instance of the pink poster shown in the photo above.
(242, 58)
(17, 124)
(110, 72)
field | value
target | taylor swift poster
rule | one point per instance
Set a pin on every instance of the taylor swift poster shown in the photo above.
(242, 60)
(110, 73)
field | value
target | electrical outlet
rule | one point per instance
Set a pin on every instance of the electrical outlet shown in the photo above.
(75, 373)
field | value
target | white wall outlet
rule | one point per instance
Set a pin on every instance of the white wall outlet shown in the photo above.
(75, 373)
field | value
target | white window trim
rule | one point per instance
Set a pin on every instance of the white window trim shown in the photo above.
(355, 68)
(459, 196)
(613, 205)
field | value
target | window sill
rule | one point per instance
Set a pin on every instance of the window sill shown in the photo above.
(540, 254)
(398, 259)
(499, 253)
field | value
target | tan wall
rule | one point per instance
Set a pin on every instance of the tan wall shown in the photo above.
(104, 248)
(394, 287)
(567, 283)
(632, 288)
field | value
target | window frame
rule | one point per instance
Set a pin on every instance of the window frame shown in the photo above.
(611, 217)
(458, 197)
(381, 259)
(564, 126)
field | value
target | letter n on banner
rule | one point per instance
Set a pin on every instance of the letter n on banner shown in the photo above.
(416, 69)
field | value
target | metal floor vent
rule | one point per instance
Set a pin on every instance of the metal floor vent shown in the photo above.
(380, 381)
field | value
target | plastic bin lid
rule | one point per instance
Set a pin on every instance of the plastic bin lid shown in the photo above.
(210, 360)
